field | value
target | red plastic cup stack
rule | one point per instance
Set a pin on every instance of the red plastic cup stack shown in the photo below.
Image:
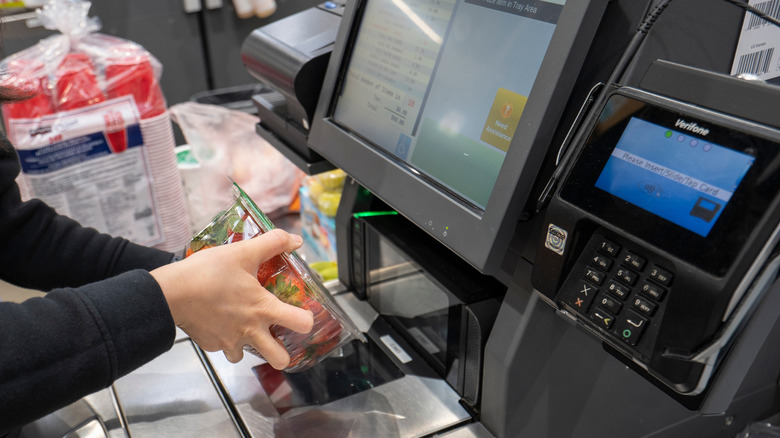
(77, 84)
(28, 76)
(134, 75)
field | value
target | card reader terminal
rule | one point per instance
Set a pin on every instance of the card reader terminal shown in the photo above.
(665, 216)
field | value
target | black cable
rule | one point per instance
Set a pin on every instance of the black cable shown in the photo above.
(633, 46)
(620, 68)
(755, 11)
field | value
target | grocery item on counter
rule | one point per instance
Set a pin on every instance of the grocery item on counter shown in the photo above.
(320, 196)
(325, 190)
(289, 278)
(327, 270)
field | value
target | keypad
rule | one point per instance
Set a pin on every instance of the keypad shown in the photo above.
(628, 276)
(630, 327)
(602, 262)
(583, 295)
(610, 304)
(617, 288)
(609, 247)
(595, 276)
(602, 319)
(661, 275)
(652, 290)
(635, 261)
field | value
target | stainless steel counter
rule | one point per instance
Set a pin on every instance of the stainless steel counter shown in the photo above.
(171, 396)
(398, 405)
(407, 407)
(186, 392)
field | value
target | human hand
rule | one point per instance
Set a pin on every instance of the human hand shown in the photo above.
(214, 296)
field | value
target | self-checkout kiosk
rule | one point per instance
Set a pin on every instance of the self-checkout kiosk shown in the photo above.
(560, 220)
(639, 288)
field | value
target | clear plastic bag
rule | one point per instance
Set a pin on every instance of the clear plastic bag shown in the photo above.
(225, 143)
(289, 278)
(79, 67)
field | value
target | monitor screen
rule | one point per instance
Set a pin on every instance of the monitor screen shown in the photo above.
(434, 89)
(673, 174)
(438, 107)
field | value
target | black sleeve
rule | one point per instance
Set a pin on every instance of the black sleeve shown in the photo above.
(105, 316)
(42, 250)
(73, 342)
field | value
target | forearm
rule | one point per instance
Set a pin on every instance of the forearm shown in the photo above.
(73, 342)
(43, 250)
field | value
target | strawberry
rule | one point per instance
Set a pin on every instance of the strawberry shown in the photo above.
(326, 347)
(270, 268)
(325, 329)
(287, 287)
(293, 342)
(310, 303)
(235, 237)
(236, 228)
(297, 356)
(192, 248)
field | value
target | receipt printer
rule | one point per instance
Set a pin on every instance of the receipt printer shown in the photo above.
(290, 56)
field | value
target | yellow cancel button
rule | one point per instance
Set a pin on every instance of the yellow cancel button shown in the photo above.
(502, 119)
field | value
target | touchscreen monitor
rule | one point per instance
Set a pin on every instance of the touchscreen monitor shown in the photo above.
(442, 86)
(445, 110)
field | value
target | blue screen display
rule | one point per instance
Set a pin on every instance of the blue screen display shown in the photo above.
(672, 174)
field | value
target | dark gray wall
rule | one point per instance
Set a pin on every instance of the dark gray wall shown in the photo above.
(226, 33)
(199, 51)
(698, 33)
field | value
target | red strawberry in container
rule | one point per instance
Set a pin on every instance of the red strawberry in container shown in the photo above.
(287, 286)
(327, 334)
(289, 279)
(270, 268)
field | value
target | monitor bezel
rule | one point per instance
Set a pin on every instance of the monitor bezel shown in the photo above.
(481, 237)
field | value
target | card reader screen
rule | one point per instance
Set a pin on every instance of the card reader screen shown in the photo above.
(691, 181)
(672, 174)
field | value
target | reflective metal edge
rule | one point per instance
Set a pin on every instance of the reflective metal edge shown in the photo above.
(411, 406)
(173, 395)
(407, 407)
(472, 430)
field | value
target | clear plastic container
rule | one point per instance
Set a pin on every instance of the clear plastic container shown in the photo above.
(289, 278)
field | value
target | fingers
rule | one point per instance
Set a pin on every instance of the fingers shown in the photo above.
(294, 318)
(234, 355)
(271, 349)
(267, 345)
(247, 316)
(275, 242)
(285, 315)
